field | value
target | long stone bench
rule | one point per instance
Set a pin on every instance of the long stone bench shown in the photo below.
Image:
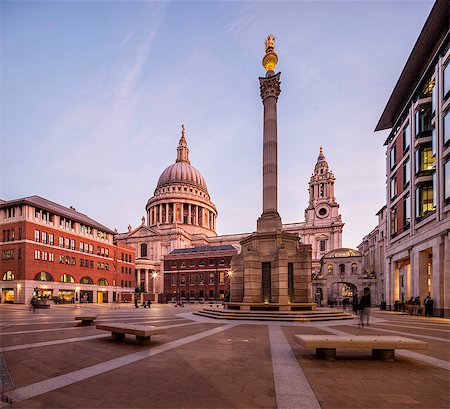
(382, 346)
(142, 332)
(87, 318)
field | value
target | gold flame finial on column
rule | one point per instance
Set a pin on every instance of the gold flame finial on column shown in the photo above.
(270, 59)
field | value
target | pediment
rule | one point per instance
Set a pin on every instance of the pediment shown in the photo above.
(142, 231)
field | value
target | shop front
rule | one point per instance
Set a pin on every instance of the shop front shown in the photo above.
(86, 296)
(8, 295)
(66, 296)
(102, 296)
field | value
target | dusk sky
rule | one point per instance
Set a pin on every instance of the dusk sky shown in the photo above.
(93, 95)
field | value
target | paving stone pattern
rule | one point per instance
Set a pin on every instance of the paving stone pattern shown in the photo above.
(54, 362)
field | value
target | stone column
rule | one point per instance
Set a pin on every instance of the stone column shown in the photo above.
(167, 213)
(138, 277)
(160, 213)
(146, 279)
(189, 213)
(270, 90)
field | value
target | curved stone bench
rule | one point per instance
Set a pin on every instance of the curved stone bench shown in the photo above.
(382, 346)
(142, 332)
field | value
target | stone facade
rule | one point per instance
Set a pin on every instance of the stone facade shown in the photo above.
(417, 261)
(342, 276)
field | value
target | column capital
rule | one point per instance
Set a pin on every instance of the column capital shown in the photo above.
(270, 86)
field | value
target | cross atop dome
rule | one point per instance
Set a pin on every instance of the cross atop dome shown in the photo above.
(182, 150)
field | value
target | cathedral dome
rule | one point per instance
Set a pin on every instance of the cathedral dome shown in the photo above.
(181, 198)
(182, 172)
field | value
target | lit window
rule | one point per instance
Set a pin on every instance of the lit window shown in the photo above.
(424, 200)
(424, 160)
(8, 276)
(330, 269)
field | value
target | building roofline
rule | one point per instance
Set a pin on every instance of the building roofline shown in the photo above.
(433, 34)
(45, 204)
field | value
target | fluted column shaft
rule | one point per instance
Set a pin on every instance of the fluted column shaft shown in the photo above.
(270, 90)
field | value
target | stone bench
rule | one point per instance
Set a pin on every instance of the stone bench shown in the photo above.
(142, 332)
(382, 346)
(86, 318)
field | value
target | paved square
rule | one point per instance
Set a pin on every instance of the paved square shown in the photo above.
(49, 360)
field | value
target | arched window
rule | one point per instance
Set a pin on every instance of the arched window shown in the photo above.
(330, 269)
(102, 281)
(86, 280)
(143, 249)
(354, 268)
(342, 269)
(8, 276)
(66, 278)
(43, 276)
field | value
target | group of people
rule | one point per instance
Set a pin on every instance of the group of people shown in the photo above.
(413, 306)
(144, 304)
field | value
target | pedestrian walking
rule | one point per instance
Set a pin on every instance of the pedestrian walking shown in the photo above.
(355, 304)
(33, 304)
(364, 305)
(136, 303)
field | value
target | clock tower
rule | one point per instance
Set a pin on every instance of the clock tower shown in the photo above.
(322, 209)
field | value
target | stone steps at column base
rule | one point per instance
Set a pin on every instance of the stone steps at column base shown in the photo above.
(275, 316)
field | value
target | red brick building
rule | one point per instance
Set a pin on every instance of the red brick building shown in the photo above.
(58, 252)
(198, 273)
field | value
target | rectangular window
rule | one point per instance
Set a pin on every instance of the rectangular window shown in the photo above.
(91, 264)
(173, 279)
(201, 279)
(81, 246)
(447, 182)
(98, 265)
(447, 128)
(406, 211)
(44, 256)
(423, 121)
(424, 200)
(19, 254)
(393, 187)
(211, 278)
(37, 255)
(323, 244)
(91, 249)
(201, 294)
(221, 277)
(51, 239)
(51, 257)
(211, 294)
(424, 160)
(103, 266)
(44, 237)
(107, 253)
(191, 279)
(61, 259)
(211, 262)
(20, 233)
(37, 234)
(394, 221)
(406, 172)
(446, 84)
(106, 266)
(67, 260)
(82, 262)
(67, 243)
(192, 263)
(393, 157)
(182, 279)
(406, 137)
(61, 242)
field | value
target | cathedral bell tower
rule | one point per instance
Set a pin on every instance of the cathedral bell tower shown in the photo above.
(322, 208)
